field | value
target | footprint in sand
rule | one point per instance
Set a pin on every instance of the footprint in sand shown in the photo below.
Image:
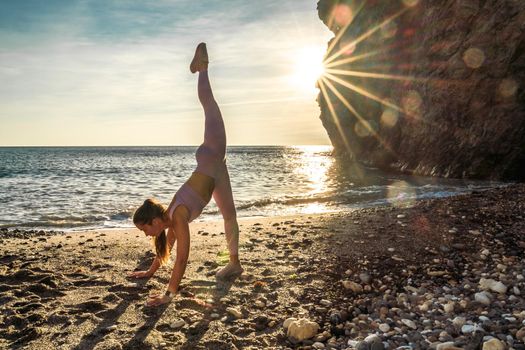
(91, 306)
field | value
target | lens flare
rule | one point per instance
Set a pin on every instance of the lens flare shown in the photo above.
(389, 30)
(362, 128)
(410, 3)
(389, 118)
(412, 103)
(401, 194)
(474, 58)
(342, 14)
(508, 88)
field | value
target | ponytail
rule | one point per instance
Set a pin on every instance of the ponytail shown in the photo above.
(145, 214)
(161, 248)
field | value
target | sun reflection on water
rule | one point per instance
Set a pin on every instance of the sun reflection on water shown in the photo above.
(314, 167)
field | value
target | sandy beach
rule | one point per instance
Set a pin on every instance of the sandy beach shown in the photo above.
(443, 274)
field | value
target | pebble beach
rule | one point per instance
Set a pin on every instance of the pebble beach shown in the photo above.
(440, 274)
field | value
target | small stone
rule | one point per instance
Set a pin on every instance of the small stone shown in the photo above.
(354, 287)
(288, 321)
(482, 298)
(318, 345)
(215, 316)
(302, 329)
(459, 321)
(260, 304)
(384, 327)
(449, 307)
(234, 312)
(520, 335)
(409, 323)
(468, 329)
(490, 284)
(445, 346)
(178, 323)
(364, 277)
(493, 344)
(110, 328)
(361, 345)
(325, 302)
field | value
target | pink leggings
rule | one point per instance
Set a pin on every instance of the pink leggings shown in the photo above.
(211, 161)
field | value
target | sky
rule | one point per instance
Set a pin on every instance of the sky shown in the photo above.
(115, 72)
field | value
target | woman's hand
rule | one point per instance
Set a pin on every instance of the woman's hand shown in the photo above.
(140, 274)
(158, 299)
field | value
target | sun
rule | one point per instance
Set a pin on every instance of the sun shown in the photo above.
(307, 68)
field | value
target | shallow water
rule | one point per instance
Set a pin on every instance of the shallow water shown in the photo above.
(95, 187)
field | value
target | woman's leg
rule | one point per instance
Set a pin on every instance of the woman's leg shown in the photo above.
(214, 132)
(215, 140)
(223, 197)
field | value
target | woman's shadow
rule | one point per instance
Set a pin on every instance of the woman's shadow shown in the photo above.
(136, 291)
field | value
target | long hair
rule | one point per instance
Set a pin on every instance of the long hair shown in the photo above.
(145, 214)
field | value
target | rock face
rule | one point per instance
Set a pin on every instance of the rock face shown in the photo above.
(426, 87)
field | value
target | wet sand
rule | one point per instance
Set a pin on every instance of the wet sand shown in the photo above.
(375, 278)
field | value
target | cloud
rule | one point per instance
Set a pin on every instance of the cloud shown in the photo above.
(100, 64)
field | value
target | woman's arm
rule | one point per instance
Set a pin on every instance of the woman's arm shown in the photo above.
(183, 251)
(155, 264)
(181, 233)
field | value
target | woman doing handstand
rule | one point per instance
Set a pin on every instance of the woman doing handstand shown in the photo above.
(210, 178)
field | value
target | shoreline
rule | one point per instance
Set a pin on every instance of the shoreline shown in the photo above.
(392, 276)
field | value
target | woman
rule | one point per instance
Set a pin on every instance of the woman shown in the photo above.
(210, 178)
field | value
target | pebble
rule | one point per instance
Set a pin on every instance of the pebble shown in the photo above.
(354, 287)
(372, 338)
(482, 298)
(302, 329)
(459, 321)
(287, 322)
(384, 327)
(468, 328)
(409, 323)
(234, 312)
(445, 346)
(364, 277)
(490, 284)
(318, 345)
(110, 328)
(449, 307)
(178, 323)
(493, 344)
(325, 302)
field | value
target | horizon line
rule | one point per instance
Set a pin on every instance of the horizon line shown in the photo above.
(236, 145)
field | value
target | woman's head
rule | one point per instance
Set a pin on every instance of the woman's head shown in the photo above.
(149, 218)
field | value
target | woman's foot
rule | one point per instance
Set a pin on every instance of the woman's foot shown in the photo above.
(232, 269)
(200, 59)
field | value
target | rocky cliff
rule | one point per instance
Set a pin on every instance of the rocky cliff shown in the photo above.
(428, 87)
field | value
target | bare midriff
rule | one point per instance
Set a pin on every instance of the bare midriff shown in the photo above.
(202, 184)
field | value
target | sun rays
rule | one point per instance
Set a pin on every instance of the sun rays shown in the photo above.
(340, 55)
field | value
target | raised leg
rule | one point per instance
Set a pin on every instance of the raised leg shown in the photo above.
(214, 132)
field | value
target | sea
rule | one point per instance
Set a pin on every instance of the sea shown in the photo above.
(78, 188)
